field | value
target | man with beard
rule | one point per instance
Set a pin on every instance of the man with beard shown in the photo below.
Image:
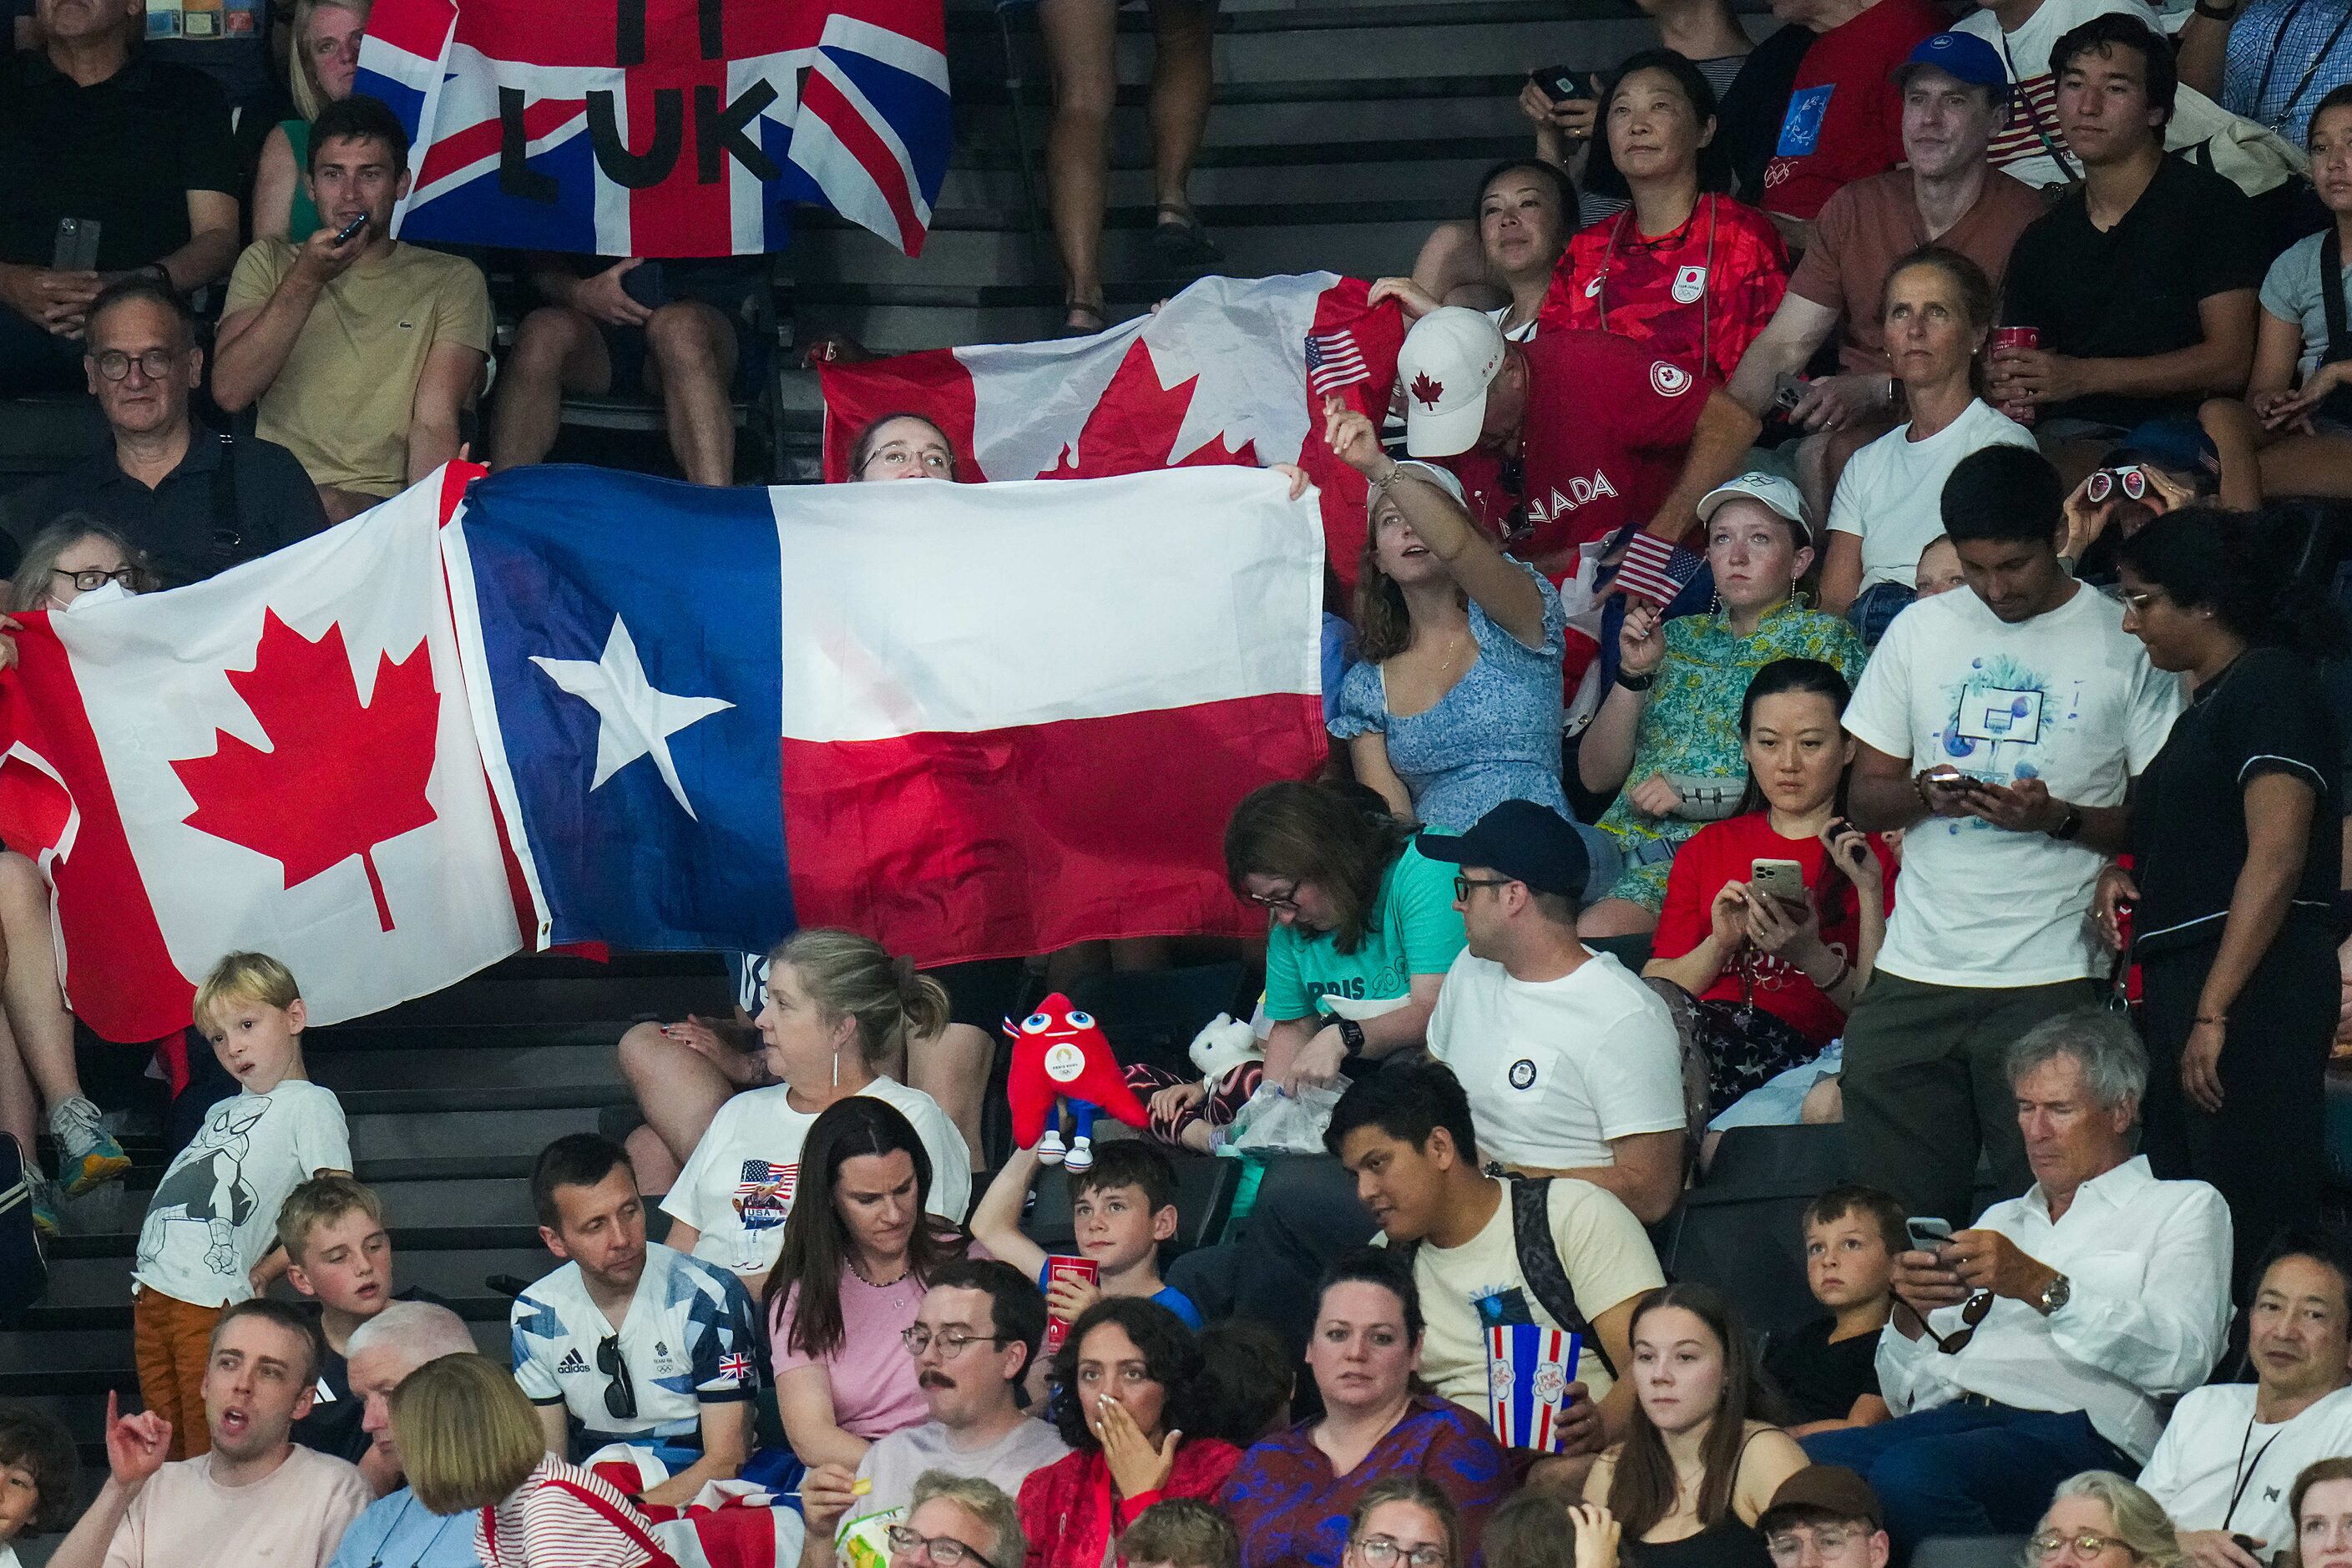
(255, 1497)
(972, 1341)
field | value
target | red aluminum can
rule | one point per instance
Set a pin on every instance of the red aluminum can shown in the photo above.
(2017, 338)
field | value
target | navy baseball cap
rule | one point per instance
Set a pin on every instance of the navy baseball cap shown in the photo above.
(1525, 842)
(2178, 444)
(1963, 56)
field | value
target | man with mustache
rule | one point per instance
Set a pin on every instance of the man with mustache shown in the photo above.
(972, 1341)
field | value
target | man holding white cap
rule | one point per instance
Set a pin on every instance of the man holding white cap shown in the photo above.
(1568, 443)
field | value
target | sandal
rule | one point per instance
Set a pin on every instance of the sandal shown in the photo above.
(1178, 240)
(1080, 319)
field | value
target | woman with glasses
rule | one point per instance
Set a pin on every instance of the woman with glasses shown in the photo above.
(1128, 1390)
(2321, 1506)
(1667, 738)
(2098, 1520)
(1937, 313)
(470, 1444)
(901, 446)
(1765, 980)
(860, 1249)
(1404, 1522)
(2237, 845)
(74, 555)
(1293, 1495)
(958, 1522)
(1701, 1463)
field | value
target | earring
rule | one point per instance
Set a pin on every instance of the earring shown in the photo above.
(837, 1066)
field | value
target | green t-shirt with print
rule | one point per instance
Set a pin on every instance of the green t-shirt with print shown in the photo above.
(1415, 930)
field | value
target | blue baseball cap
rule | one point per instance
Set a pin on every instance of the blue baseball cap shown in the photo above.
(1963, 56)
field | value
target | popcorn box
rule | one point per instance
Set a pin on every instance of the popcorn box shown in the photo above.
(1529, 1369)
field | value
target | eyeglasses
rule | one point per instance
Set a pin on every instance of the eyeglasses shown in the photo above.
(1381, 1552)
(155, 364)
(1280, 901)
(1461, 885)
(945, 1550)
(1971, 1315)
(620, 1394)
(2106, 481)
(1827, 1540)
(919, 1339)
(92, 579)
(2049, 1543)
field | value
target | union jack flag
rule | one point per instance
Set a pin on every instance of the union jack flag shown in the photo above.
(662, 128)
(737, 1367)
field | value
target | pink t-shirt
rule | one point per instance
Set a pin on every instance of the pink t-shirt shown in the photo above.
(291, 1518)
(873, 1388)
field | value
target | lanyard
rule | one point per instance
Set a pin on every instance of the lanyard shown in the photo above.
(1706, 287)
(2244, 1475)
(2049, 143)
(2270, 63)
(376, 1558)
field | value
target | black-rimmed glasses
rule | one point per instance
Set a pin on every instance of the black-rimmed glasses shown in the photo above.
(945, 1550)
(1461, 885)
(1283, 902)
(155, 364)
(620, 1394)
(89, 580)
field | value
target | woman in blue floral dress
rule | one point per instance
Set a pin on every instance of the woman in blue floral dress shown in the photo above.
(1667, 736)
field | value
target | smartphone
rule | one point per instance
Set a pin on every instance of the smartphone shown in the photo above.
(1561, 82)
(344, 234)
(1927, 1232)
(1952, 778)
(1783, 879)
(76, 247)
(1788, 391)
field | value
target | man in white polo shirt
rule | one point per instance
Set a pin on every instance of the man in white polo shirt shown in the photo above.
(1571, 1063)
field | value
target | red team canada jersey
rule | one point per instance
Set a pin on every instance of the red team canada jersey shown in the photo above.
(1607, 426)
(1699, 295)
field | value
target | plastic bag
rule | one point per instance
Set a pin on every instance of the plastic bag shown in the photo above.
(1273, 1122)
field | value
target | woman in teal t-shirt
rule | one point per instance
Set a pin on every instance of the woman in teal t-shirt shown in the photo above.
(326, 59)
(1362, 927)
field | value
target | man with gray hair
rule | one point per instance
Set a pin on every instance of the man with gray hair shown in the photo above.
(396, 1531)
(950, 1518)
(2049, 1337)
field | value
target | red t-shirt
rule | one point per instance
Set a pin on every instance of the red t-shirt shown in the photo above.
(1698, 294)
(1726, 852)
(1607, 426)
(1845, 115)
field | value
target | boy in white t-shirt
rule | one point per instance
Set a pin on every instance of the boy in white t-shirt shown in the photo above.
(210, 1239)
(2001, 728)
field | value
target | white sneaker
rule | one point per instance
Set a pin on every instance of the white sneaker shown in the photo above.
(1081, 1156)
(88, 1155)
(1049, 1150)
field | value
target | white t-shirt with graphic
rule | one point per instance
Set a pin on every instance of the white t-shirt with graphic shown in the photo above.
(689, 1339)
(2069, 697)
(738, 1187)
(1556, 1068)
(214, 1213)
(1891, 494)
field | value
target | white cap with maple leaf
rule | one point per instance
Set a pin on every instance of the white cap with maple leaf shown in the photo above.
(1449, 359)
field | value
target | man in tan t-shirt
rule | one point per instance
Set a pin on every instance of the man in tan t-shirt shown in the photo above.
(360, 352)
(255, 1497)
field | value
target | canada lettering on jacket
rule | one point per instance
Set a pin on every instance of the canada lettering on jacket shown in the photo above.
(1580, 491)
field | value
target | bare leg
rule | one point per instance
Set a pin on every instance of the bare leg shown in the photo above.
(689, 365)
(953, 1070)
(37, 1012)
(342, 505)
(2239, 438)
(1616, 917)
(1183, 74)
(2308, 466)
(655, 1166)
(1823, 1103)
(678, 1089)
(556, 350)
(1080, 35)
(19, 1111)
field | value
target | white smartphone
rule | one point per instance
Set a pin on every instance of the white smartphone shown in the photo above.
(1783, 879)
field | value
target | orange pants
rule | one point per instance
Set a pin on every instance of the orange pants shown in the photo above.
(170, 1342)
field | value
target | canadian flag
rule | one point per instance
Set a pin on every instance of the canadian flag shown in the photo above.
(1232, 370)
(280, 759)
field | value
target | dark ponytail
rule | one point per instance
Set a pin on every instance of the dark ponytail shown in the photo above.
(2251, 570)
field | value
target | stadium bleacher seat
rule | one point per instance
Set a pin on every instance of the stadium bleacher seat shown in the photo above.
(1739, 1229)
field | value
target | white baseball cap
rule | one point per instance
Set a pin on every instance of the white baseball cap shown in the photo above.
(1450, 358)
(1782, 496)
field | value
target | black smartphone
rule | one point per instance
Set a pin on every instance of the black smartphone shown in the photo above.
(344, 234)
(75, 248)
(1561, 82)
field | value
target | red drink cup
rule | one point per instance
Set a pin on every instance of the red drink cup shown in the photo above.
(2017, 338)
(1062, 1266)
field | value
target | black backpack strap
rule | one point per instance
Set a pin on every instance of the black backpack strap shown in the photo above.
(2337, 404)
(1538, 1255)
(228, 534)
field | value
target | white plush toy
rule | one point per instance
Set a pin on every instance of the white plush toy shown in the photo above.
(1221, 1045)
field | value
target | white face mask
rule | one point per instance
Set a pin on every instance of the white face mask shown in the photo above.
(106, 592)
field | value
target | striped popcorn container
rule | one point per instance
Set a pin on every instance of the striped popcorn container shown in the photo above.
(1529, 1369)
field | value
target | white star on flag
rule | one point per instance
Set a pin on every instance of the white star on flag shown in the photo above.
(634, 719)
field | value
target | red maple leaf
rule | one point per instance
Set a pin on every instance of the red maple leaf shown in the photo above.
(340, 777)
(1134, 423)
(1427, 392)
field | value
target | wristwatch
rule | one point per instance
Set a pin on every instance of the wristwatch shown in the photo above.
(2055, 1295)
(1631, 682)
(2068, 825)
(1352, 1034)
(2215, 13)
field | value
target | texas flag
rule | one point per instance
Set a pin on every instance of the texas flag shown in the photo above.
(279, 759)
(968, 720)
(1231, 371)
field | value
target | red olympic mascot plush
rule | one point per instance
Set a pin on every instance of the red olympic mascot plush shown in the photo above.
(1059, 1054)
